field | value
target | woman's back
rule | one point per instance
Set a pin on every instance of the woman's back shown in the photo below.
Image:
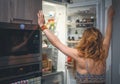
(85, 66)
(90, 72)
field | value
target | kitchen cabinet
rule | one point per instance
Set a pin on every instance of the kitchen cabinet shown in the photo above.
(26, 9)
(5, 10)
(19, 10)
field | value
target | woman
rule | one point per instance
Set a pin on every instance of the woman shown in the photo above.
(90, 54)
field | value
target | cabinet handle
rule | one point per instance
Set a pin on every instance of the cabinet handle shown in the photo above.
(19, 20)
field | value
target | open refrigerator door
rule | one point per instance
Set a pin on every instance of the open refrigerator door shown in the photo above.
(53, 59)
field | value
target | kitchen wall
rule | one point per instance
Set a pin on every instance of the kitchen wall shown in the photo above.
(113, 61)
(108, 70)
(116, 44)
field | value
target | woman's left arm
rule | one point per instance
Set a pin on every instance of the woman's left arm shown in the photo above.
(54, 40)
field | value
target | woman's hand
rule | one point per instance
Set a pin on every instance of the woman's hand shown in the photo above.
(41, 20)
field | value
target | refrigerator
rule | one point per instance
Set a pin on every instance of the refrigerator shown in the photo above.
(68, 22)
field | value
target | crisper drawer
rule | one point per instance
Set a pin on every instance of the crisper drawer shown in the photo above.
(53, 78)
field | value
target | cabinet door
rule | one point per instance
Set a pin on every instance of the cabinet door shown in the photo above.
(4, 10)
(26, 9)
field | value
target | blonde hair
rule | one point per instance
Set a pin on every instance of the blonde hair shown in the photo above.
(91, 44)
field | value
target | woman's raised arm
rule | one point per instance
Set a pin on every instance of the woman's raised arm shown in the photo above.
(54, 39)
(108, 32)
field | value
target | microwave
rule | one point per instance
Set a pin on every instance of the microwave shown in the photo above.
(20, 50)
